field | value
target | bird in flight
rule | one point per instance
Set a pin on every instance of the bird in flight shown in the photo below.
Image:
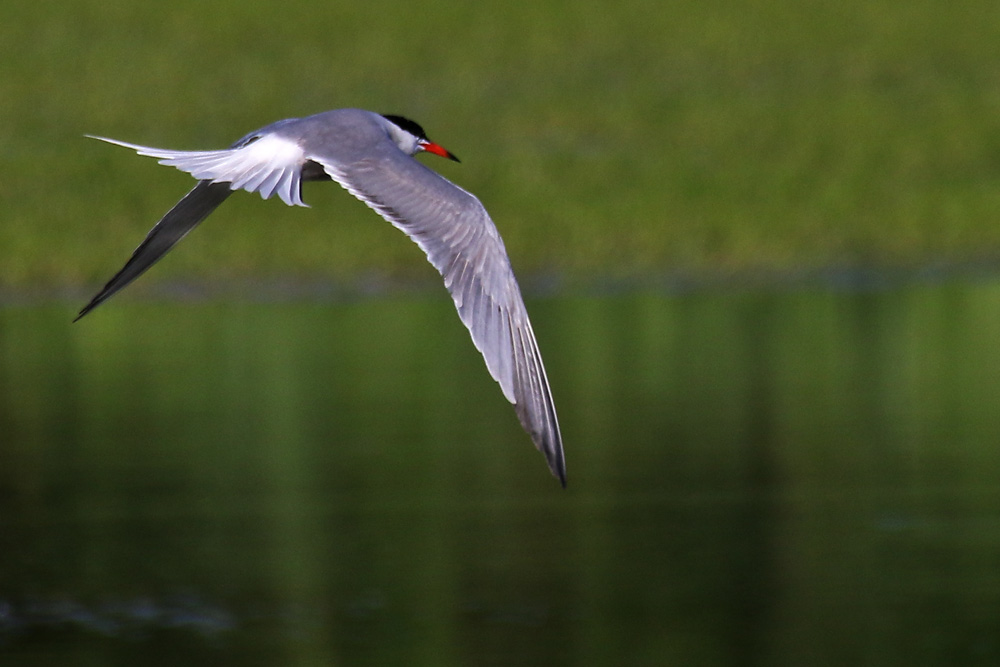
(371, 156)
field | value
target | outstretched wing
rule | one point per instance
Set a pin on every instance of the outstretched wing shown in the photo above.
(461, 241)
(257, 163)
(181, 219)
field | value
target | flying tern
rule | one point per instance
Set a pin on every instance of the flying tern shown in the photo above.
(371, 156)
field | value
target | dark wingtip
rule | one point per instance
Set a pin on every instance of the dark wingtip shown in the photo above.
(556, 460)
(559, 470)
(99, 298)
(83, 311)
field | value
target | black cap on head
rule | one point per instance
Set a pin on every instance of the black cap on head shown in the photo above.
(406, 124)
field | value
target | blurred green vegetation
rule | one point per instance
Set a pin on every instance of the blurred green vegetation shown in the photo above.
(611, 138)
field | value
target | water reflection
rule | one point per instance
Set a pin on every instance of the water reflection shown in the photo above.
(773, 477)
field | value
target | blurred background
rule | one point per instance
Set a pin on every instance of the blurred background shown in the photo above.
(758, 242)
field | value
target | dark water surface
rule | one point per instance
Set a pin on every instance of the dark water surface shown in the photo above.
(793, 477)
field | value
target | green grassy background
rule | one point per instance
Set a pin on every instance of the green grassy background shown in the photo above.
(615, 139)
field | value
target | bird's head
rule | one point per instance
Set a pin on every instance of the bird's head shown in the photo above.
(412, 139)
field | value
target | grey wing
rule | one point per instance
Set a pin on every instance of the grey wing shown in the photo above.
(181, 219)
(461, 241)
(259, 162)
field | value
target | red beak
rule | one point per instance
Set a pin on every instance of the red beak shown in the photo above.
(431, 147)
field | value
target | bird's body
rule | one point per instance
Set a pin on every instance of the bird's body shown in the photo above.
(371, 156)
